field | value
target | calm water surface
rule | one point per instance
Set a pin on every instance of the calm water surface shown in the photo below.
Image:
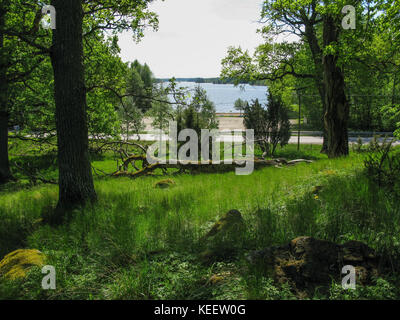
(225, 95)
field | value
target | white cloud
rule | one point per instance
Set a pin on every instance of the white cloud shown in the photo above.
(194, 36)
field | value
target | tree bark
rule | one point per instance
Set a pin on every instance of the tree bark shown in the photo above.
(75, 174)
(5, 172)
(316, 53)
(337, 105)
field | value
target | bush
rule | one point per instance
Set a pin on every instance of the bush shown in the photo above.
(358, 146)
(271, 125)
(383, 166)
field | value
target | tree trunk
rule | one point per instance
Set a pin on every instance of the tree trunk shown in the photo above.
(75, 174)
(337, 105)
(316, 53)
(5, 172)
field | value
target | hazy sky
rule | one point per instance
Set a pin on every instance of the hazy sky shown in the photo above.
(194, 36)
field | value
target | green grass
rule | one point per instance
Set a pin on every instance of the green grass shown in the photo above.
(139, 242)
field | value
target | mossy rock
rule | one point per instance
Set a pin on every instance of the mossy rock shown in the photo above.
(164, 184)
(220, 242)
(308, 264)
(231, 220)
(16, 264)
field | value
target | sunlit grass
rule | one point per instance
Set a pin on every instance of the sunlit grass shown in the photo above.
(141, 242)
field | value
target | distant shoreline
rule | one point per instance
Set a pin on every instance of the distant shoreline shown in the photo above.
(211, 80)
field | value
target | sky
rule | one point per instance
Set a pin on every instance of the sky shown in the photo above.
(194, 36)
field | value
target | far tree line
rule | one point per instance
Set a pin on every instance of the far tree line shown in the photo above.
(214, 81)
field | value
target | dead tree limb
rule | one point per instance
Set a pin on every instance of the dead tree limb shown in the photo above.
(33, 175)
(197, 166)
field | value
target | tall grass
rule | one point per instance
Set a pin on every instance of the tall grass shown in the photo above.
(143, 243)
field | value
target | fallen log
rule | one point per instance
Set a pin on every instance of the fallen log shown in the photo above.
(194, 167)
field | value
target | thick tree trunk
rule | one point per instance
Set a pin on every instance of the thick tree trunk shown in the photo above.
(5, 172)
(337, 105)
(75, 173)
(316, 53)
(321, 90)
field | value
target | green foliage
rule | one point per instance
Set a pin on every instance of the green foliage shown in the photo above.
(161, 110)
(141, 85)
(358, 146)
(262, 288)
(383, 167)
(139, 242)
(30, 96)
(256, 118)
(392, 114)
(271, 125)
(381, 290)
(199, 114)
(371, 80)
(240, 105)
(279, 122)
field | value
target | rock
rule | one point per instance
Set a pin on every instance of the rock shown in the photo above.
(16, 264)
(164, 184)
(355, 251)
(316, 259)
(220, 241)
(307, 263)
(230, 220)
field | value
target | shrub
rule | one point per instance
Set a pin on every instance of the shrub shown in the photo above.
(358, 146)
(383, 166)
(271, 125)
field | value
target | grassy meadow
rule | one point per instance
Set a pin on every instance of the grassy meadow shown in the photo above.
(140, 242)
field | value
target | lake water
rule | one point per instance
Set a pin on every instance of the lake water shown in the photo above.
(225, 95)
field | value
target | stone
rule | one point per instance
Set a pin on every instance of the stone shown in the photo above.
(228, 221)
(356, 251)
(307, 263)
(221, 239)
(164, 184)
